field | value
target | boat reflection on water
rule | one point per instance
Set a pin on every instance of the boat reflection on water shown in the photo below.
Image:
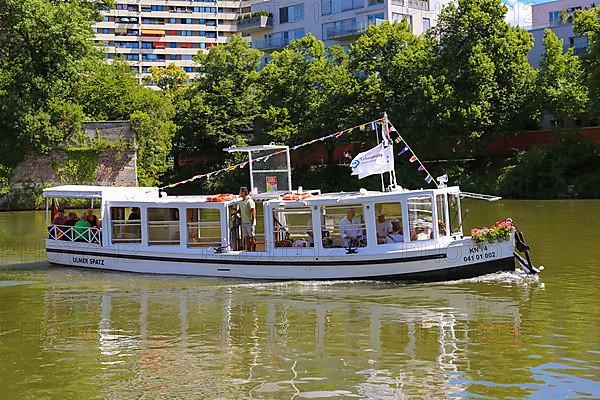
(220, 339)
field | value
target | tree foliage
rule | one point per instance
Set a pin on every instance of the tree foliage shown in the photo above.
(42, 46)
(561, 86)
(219, 107)
(479, 80)
(587, 23)
(169, 78)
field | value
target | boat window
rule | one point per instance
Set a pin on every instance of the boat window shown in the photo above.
(420, 218)
(343, 226)
(454, 211)
(203, 227)
(163, 226)
(441, 214)
(388, 223)
(126, 225)
(292, 227)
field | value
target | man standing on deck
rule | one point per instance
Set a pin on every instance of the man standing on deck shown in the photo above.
(248, 214)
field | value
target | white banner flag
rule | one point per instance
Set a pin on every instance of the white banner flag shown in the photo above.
(378, 160)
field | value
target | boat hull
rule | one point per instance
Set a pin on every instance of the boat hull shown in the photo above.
(437, 264)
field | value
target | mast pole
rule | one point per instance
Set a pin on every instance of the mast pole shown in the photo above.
(392, 173)
(381, 175)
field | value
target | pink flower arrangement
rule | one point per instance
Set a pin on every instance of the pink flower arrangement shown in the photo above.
(501, 230)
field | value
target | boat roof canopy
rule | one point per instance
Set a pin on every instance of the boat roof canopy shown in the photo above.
(96, 192)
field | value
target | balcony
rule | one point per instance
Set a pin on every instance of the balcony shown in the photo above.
(347, 31)
(254, 23)
(271, 44)
(422, 5)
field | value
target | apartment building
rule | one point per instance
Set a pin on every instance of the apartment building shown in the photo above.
(557, 16)
(332, 21)
(150, 33)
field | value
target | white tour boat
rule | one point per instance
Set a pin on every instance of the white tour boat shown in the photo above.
(398, 234)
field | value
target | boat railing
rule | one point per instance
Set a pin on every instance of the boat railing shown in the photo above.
(75, 233)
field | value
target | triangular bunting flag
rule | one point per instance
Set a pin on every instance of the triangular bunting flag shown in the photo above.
(398, 140)
(413, 159)
(421, 168)
(428, 178)
(373, 125)
(404, 150)
(362, 127)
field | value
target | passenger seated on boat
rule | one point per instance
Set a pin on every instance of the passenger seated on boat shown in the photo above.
(396, 236)
(92, 219)
(60, 218)
(81, 230)
(300, 243)
(419, 233)
(350, 229)
(384, 228)
(68, 233)
(441, 229)
(134, 215)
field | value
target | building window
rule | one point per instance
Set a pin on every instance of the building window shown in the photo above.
(352, 4)
(188, 21)
(157, 8)
(126, 225)
(396, 17)
(211, 34)
(188, 69)
(374, 2)
(554, 17)
(426, 24)
(146, 45)
(293, 13)
(131, 57)
(186, 33)
(336, 29)
(105, 31)
(172, 20)
(375, 19)
(187, 57)
(163, 227)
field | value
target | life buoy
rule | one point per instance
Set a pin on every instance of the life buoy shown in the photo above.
(296, 196)
(219, 198)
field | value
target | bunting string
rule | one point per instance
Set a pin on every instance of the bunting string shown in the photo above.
(336, 135)
(413, 157)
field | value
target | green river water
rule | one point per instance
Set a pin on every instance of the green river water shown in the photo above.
(69, 333)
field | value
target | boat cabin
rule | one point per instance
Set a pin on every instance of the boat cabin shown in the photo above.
(305, 222)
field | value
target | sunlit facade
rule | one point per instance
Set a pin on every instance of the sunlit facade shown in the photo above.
(149, 33)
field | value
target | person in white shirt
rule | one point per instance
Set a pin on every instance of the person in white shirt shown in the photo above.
(384, 228)
(351, 229)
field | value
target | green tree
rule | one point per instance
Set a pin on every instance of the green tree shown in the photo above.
(111, 92)
(169, 78)
(561, 86)
(479, 81)
(154, 138)
(220, 105)
(587, 23)
(389, 59)
(307, 92)
(42, 46)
